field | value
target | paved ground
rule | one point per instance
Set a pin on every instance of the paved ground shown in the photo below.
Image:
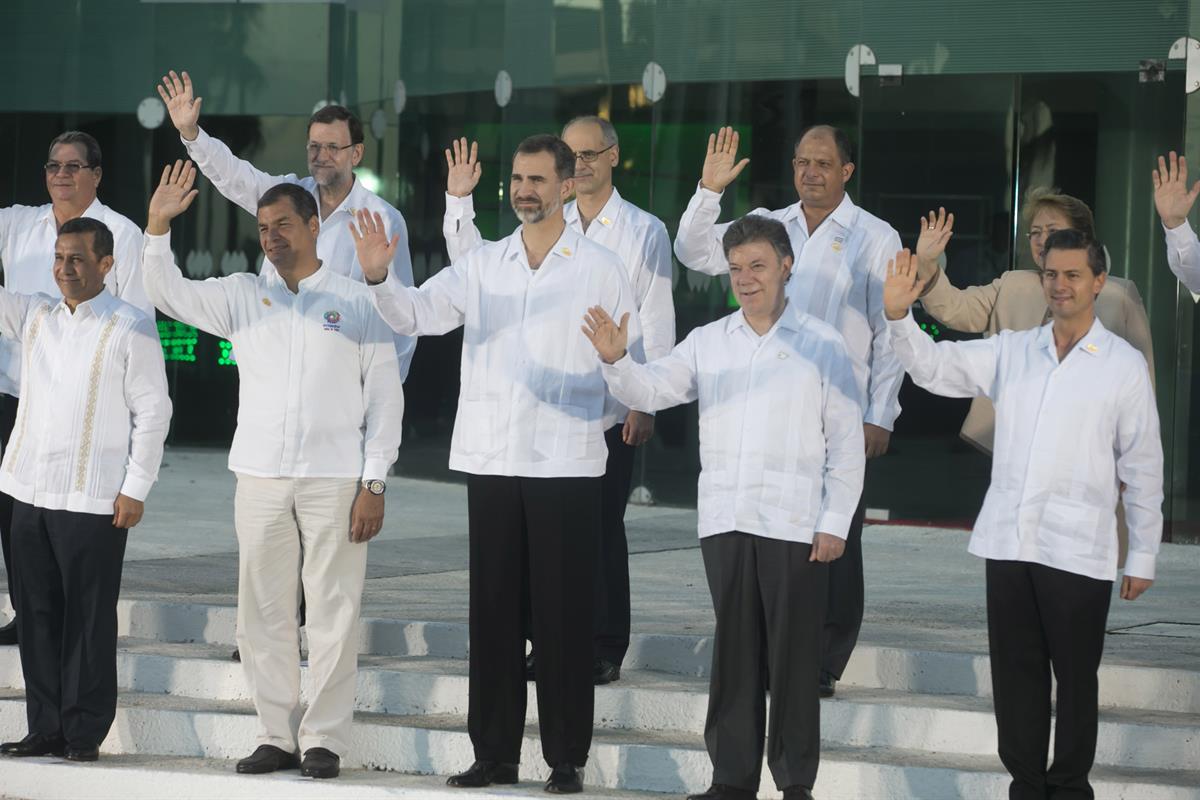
(923, 589)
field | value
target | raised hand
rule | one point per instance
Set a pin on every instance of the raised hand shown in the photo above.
(463, 169)
(936, 230)
(902, 288)
(172, 197)
(721, 166)
(609, 339)
(375, 252)
(182, 105)
(1171, 195)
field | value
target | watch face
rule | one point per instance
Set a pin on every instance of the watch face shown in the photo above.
(376, 487)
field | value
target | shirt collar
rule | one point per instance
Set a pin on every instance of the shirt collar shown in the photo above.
(352, 202)
(790, 319)
(1094, 342)
(844, 215)
(607, 217)
(96, 307)
(308, 284)
(94, 211)
(566, 246)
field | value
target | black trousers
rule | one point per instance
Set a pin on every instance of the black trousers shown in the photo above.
(844, 611)
(612, 575)
(8, 418)
(544, 532)
(68, 579)
(769, 601)
(1041, 618)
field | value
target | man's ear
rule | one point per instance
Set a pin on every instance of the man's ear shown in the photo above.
(314, 225)
(847, 171)
(106, 264)
(568, 188)
(356, 154)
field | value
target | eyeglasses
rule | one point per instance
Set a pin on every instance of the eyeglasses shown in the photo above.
(588, 156)
(330, 150)
(70, 168)
(1042, 233)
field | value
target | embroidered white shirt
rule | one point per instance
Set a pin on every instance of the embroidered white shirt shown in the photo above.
(837, 277)
(638, 238)
(532, 400)
(1183, 255)
(94, 409)
(27, 237)
(781, 437)
(242, 183)
(319, 393)
(1068, 433)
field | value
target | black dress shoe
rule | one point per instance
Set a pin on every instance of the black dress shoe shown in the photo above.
(35, 744)
(267, 758)
(605, 671)
(826, 684)
(565, 779)
(84, 752)
(8, 633)
(484, 773)
(720, 791)
(531, 667)
(320, 763)
(797, 792)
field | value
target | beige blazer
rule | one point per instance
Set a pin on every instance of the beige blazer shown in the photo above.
(1015, 301)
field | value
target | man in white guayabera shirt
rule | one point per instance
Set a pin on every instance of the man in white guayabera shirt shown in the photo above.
(86, 449)
(1174, 202)
(27, 238)
(1075, 420)
(319, 418)
(640, 240)
(781, 469)
(841, 255)
(532, 413)
(335, 148)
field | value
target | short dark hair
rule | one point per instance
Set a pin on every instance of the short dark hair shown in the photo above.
(1071, 239)
(302, 200)
(841, 140)
(757, 228)
(327, 115)
(91, 148)
(102, 238)
(564, 156)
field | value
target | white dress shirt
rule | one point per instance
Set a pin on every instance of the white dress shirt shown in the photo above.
(319, 394)
(532, 401)
(638, 238)
(1183, 255)
(27, 237)
(1068, 433)
(837, 277)
(781, 437)
(242, 183)
(94, 409)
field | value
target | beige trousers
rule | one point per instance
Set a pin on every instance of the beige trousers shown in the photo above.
(293, 534)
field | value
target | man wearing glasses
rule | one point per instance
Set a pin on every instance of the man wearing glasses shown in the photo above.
(335, 148)
(640, 240)
(27, 237)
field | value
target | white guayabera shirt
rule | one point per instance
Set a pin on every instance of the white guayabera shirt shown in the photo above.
(27, 237)
(638, 238)
(532, 401)
(1183, 255)
(781, 437)
(94, 408)
(1068, 434)
(837, 277)
(319, 394)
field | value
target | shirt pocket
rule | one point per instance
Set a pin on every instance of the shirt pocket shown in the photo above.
(477, 427)
(566, 431)
(1068, 526)
(786, 497)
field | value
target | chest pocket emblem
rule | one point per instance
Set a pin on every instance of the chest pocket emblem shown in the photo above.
(781, 355)
(333, 321)
(266, 301)
(1091, 348)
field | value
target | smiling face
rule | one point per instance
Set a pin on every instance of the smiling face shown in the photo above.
(331, 157)
(818, 172)
(595, 176)
(286, 239)
(757, 275)
(78, 189)
(535, 190)
(1069, 284)
(78, 271)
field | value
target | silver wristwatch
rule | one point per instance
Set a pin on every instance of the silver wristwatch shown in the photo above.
(375, 486)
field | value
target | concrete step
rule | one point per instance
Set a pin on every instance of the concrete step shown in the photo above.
(649, 701)
(874, 667)
(657, 761)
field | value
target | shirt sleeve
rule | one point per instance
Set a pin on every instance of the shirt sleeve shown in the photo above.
(1183, 255)
(401, 270)
(951, 369)
(968, 310)
(458, 227)
(666, 382)
(14, 308)
(1140, 468)
(656, 306)
(203, 304)
(238, 181)
(885, 375)
(127, 268)
(149, 407)
(438, 306)
(698, 240)
(383, 399)
(845, 450)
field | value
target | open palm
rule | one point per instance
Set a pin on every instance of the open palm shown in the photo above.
(936, 230)
(901, 289)
(182, 104)
(721, 166)
(609, 338)
(462, 168)
(1172, 198)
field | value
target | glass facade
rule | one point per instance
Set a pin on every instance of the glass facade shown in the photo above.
(991, 99)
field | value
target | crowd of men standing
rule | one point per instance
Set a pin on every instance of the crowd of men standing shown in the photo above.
(569, 350)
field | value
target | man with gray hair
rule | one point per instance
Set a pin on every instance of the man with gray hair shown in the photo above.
(27, 237)
(640, 240)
